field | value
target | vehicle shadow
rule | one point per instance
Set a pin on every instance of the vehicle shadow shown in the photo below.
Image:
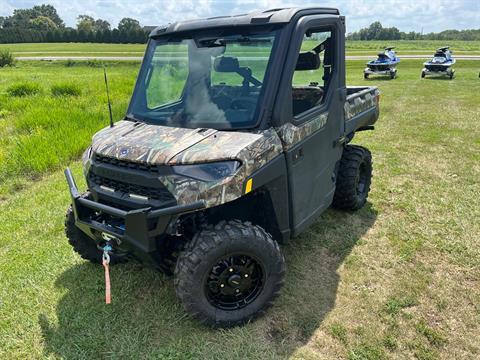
(380, 78)
(438, 77)
(146, 320)
(313, 261)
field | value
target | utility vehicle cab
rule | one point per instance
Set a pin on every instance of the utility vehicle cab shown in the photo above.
(235, 140)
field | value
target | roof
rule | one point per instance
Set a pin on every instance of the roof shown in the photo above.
(272, 16)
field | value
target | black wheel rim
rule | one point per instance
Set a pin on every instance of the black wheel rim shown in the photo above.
(234, 282)
(362, 180)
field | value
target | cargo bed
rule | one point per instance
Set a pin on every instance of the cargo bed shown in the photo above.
(361, 107)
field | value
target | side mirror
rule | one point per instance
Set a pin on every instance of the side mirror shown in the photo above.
(226, 64)
(308, 61)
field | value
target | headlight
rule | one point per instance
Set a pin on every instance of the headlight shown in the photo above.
(208, 171)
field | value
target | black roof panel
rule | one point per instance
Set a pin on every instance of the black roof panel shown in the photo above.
(272, 16)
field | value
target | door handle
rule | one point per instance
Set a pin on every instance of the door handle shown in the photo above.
(297, 155)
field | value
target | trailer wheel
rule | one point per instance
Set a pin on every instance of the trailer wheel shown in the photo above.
(354, 178)
(84, 245)
(229, 274)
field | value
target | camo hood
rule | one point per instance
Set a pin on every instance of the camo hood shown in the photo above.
(159, 145)
(164, 145)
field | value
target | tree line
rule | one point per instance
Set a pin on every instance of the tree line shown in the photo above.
(43, 24)
(377, 32)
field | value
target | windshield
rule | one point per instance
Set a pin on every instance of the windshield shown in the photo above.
(208, 82)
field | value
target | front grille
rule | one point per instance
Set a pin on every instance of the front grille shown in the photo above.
(160, 194)
(127, 164)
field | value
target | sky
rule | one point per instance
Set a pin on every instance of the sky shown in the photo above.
(407, 15)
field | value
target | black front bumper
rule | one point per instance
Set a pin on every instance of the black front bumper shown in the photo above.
(139, 228)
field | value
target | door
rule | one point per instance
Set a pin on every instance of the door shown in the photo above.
(317, 120)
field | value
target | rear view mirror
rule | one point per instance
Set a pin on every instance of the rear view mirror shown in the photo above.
(226, 64)
(308, 61)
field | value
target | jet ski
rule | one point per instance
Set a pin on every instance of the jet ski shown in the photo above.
(385, 64)
(441, 63)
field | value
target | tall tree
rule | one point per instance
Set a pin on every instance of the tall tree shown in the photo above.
(50, 12)
(101, 25)
(22, 18)
(43, 23)
(128, 25)
(85, 23)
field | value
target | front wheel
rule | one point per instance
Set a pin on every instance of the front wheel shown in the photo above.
(423, 74)
(229, 274)
(354, 178)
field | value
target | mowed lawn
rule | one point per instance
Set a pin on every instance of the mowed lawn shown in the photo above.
(427, 47)
(399, 279)
(74, 49)
(371, 48)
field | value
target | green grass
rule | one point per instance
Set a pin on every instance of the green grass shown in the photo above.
(397, 279)
(413, 46)
(404, 47)
(23, 89)
(66, 89)
(44, 130)
(73, 47)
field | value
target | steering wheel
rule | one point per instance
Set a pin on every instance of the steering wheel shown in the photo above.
(243, 103)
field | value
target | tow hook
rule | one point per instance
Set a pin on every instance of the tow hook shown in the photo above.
(105, 262)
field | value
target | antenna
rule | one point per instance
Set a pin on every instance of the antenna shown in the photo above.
(108, 97)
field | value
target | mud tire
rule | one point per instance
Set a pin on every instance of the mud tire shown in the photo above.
(354, 178)
(204, 252)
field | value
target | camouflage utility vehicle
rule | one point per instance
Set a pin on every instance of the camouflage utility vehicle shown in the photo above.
(236, 138)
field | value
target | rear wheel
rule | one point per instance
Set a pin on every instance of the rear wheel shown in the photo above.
(354, 178)
(229, 274)
(393, 74)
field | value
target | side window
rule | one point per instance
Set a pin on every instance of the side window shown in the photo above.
(312, 74)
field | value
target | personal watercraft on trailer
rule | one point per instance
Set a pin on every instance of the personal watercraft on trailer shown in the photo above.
(385, 64)
(441, 63)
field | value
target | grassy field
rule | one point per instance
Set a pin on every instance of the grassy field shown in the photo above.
(60, 49)
(413, 46)
(40, 132)
(404, 47)
(399, 279)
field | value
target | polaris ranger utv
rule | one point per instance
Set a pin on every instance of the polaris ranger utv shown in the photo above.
(235, 140)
